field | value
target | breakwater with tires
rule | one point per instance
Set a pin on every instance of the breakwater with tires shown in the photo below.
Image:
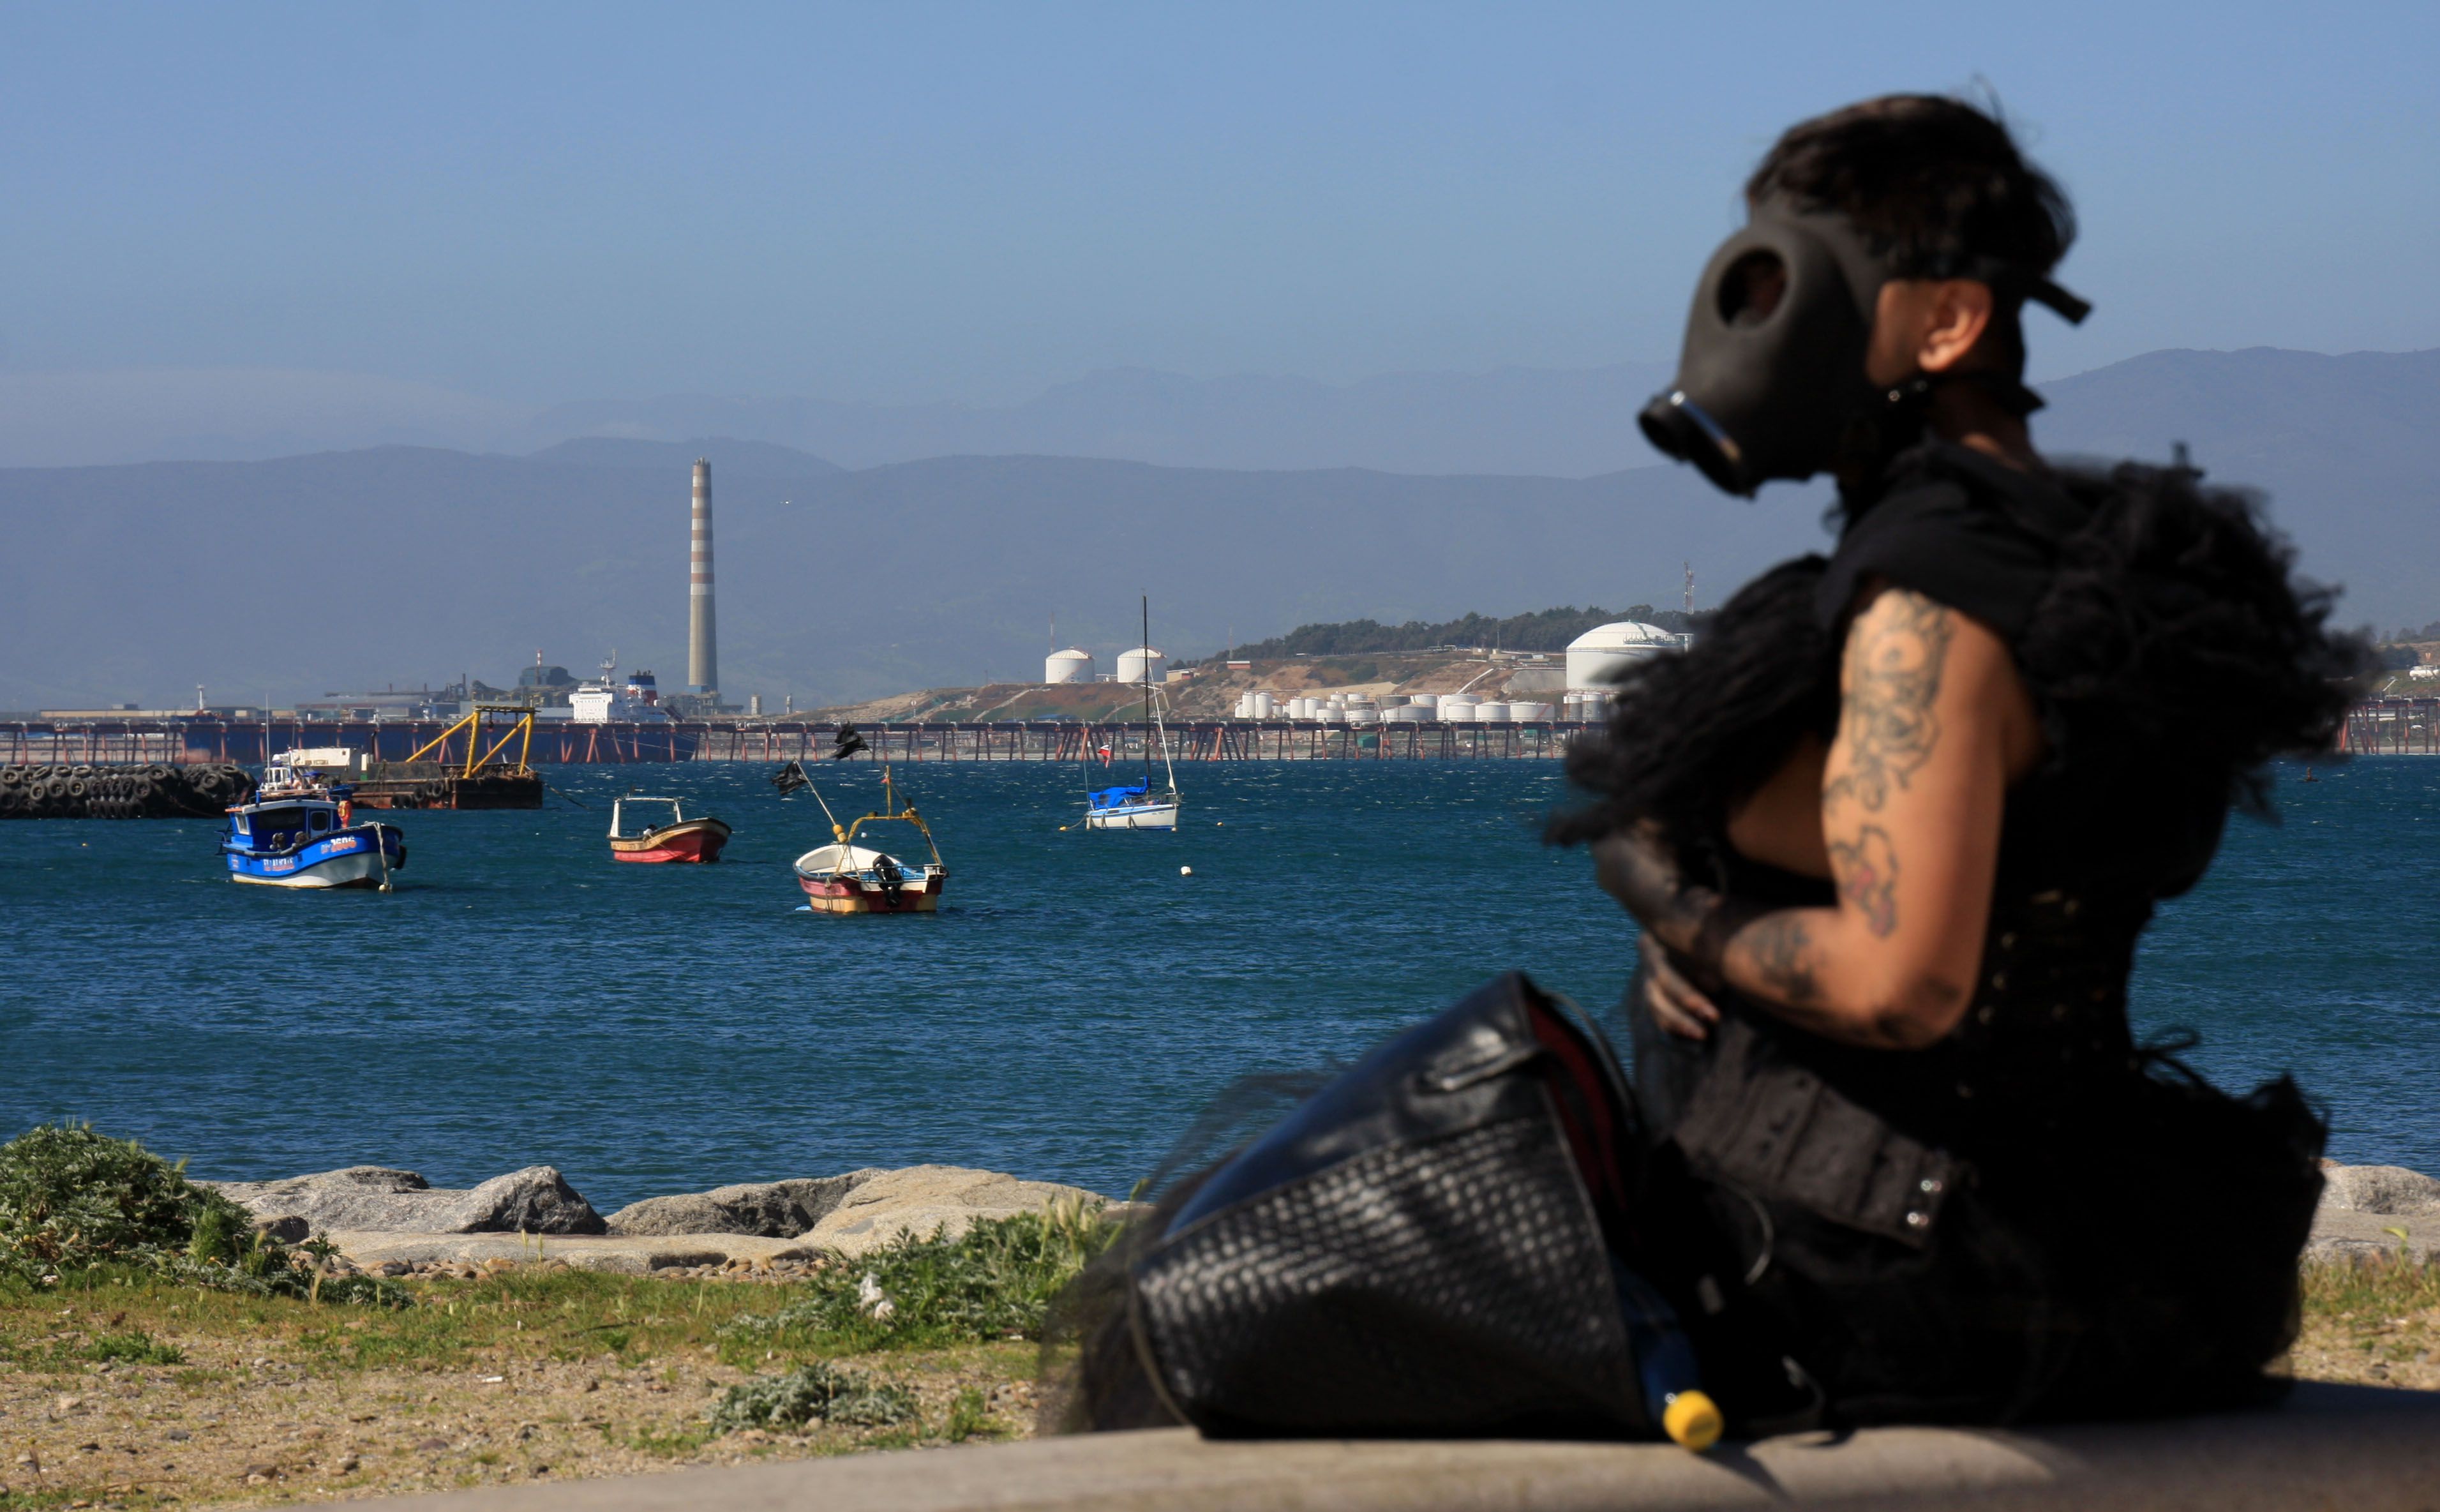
(129, 790)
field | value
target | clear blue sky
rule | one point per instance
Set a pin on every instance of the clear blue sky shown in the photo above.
(539, 203)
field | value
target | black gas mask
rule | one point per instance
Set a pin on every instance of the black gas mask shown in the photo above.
(1771, 382)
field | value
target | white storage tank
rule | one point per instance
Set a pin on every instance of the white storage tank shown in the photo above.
(1491, 713)
(1432, 701)
(1140, 663)
(1529, 714)
(1596, 657)
(1070, 665)
(1331, 714)
(1458, 705)
(1402, 714)
(1265, 705)
(1245, 709)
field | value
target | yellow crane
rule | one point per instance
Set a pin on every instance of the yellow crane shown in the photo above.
(520, 730)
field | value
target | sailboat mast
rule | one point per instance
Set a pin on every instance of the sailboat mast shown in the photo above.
(1145, 663)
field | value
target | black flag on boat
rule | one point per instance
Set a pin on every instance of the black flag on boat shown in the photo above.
(848, 744)
(789, 778)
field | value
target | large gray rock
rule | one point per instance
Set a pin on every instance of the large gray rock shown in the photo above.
(2386, 1189)
(774, 1210)
(929, 1198)
(534, 1200)
(2375, 1210)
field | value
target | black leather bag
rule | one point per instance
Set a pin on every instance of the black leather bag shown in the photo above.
(1421, 1247)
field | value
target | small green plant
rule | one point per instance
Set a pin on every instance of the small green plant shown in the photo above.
(821, 1392)
(970, 1417)
(134, 1348)
(995, 1281)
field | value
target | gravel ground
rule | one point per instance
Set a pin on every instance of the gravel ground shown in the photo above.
(230, 1426)
(262, 1405)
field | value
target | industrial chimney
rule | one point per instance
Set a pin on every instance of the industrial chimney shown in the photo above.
(703, 646)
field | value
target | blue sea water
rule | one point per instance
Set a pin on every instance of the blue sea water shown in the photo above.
(522, 999)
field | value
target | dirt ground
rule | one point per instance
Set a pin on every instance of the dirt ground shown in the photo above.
(267, 1402)
(144, 1397)
(2374, 1347)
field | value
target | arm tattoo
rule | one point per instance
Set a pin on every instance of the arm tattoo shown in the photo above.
(1885, 714)
(1867, 869)
(1782, 954)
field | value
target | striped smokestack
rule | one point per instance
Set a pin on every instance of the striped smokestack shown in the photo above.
(703, 646)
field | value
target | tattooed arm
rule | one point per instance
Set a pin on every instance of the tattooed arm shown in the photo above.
(1934, 724)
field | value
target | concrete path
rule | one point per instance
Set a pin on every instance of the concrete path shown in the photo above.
(2355, 1448)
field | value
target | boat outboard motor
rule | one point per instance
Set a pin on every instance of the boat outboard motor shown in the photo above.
(1426, 1246)
(1771, 383)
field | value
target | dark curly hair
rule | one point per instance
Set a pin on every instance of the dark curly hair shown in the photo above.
(1938, 184)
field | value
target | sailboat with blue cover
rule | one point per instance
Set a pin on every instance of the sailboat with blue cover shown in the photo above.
(1141, 806)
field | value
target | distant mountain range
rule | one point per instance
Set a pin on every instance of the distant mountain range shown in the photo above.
(342, 571)
(1514, 421)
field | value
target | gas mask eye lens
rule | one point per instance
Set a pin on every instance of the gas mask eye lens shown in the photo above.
(1752, 287)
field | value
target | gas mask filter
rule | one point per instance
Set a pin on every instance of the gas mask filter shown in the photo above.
(1771, 383)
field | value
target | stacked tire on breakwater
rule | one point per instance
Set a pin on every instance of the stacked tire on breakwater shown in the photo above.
(137, 790)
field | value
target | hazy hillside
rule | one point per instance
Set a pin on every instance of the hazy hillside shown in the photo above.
(2346, 448)
(320, 573)
(1563, 424)
(316, 573)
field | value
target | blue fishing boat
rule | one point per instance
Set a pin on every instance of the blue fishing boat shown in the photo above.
(299, 831)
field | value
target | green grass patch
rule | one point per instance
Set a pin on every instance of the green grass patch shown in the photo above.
(2377, 1286)
(136, 1348)
(2386, 1306)
(995, 1281)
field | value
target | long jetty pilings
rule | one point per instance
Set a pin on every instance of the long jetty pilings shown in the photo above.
(2392, 726)
(1207, 741)
(2408, 727)
(564, 742)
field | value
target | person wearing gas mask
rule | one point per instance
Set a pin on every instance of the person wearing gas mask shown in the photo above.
(1892, 831)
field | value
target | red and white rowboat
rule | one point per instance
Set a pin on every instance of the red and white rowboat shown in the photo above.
(679, 838)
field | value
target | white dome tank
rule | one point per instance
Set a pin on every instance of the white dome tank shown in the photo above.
(1529, 714)
(1492, 714)
(1596, 657)
(1265, 705)
(1425, 700)
(1140, 663)
(1070, 665)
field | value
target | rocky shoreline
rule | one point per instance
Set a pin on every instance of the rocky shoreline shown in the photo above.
(392, 1222)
